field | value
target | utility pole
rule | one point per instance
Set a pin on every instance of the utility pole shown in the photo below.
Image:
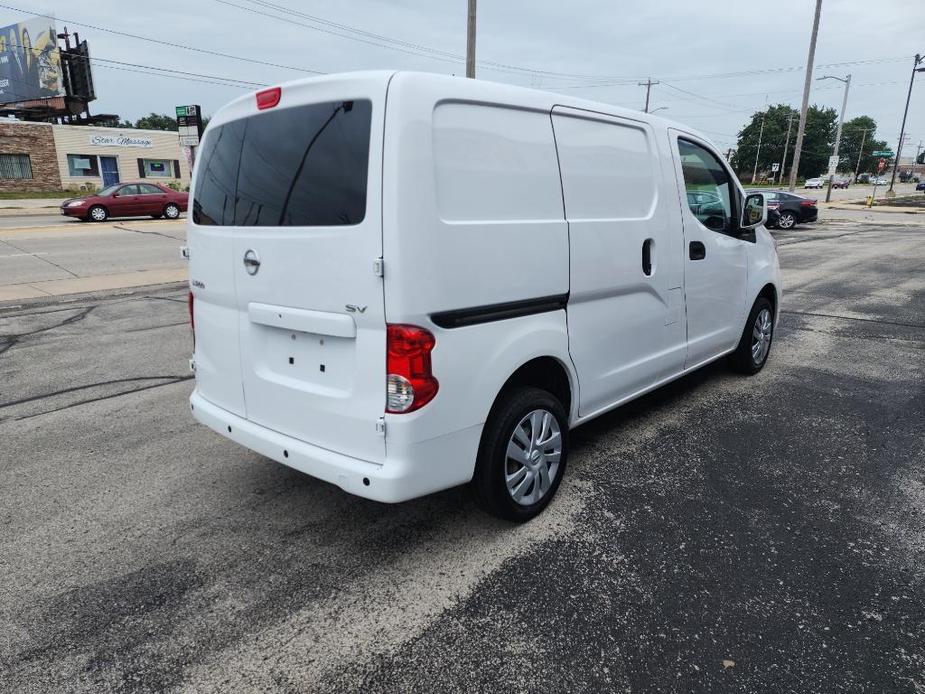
(758, 151)
(915, 161)
(795, 167)
(857, 168)
(841, 120)
(470, 41)
(648, 85)
(780, 176)
(902, 129)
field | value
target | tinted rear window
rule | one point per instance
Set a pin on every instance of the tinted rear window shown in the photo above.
(303, 166)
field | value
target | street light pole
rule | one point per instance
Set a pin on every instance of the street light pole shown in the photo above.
(857, 168)
(902, 129)
(470, 41)
(801, 129)
(758, 151)
(841, 120)
(780, 176)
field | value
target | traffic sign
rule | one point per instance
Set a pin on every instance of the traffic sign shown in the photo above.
(775, 168)
(833, 164)
(881, 165)
(883, 153)
(189, 125)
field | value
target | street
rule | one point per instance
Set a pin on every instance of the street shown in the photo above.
(720, 534)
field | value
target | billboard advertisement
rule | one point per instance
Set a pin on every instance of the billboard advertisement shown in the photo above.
(30, 61)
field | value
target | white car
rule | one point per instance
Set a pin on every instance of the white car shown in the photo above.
(814, 183)
(404, 282)
(880, 181)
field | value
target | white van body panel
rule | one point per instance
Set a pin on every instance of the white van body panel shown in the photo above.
(626, 328)
(510, 224)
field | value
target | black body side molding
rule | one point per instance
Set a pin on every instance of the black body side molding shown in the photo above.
(462, 317)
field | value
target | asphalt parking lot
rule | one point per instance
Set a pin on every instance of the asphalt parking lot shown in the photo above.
(723, 534)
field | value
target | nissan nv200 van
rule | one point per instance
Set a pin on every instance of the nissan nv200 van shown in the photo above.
(403, 282)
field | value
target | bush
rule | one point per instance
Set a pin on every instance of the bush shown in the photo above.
(174, 185)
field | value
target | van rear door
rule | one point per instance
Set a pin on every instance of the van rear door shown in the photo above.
(300, 185)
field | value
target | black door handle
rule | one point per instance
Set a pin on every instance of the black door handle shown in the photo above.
(697, 251)
(647, 257)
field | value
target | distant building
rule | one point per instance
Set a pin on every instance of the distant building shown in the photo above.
(45, 156)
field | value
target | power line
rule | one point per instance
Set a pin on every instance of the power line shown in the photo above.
(165, 43)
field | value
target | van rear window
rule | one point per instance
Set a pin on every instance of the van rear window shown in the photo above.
(301, 166)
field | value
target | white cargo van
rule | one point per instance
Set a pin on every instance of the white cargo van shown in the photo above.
(403, 282)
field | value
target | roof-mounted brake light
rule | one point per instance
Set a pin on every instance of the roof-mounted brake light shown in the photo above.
(268, 98)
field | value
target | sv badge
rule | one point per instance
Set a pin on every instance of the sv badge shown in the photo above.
(353, 308)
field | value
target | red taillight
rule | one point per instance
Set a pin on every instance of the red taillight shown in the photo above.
(410, 383)
(807, 203)
(268, 98)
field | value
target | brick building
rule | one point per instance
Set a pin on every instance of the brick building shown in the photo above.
(28, 160)
(42, 156)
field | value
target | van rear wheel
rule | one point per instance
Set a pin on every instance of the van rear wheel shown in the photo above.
(523, 454)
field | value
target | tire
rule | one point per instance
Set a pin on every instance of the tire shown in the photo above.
(755, 344)
(171, 211)
(787, 220)
(98, 213)
(521, 418)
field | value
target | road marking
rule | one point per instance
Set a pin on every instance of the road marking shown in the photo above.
(20, 255)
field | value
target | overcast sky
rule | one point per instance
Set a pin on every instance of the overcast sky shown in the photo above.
(593, 49)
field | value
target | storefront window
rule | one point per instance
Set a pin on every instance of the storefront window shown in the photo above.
(157, 168)
(83, 165)
(15, 166)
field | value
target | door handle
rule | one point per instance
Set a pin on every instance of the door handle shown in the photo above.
(697, 251)
(647, 257)
(251, 262)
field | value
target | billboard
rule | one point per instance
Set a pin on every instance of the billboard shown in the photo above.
(30, 61)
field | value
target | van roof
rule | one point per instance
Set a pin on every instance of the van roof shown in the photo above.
(452, 86)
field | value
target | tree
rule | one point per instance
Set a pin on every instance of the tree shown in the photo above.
(155, 121)
(818, 139)
(854, 130)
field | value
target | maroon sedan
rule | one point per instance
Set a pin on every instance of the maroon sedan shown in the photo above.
(128, 200)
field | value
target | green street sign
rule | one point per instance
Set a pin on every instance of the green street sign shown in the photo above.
(883, 153)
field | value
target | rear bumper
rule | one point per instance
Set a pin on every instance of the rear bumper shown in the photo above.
(810, 214)
(409, 471)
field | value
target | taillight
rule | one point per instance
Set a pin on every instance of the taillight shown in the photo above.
(410, 383)
(807, 203)
(268, 98)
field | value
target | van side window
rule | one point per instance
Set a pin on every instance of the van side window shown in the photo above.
(709, 189)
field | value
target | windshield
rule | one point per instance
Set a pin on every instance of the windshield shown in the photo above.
(109, 190)
(300, 166)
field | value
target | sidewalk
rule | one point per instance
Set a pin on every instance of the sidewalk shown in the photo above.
(30, 206)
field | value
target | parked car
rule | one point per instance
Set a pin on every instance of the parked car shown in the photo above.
(404, 282)
(841, 182)
(880, 181)
(127, 200)
(920, 186)
(814, 183)
(791, 209)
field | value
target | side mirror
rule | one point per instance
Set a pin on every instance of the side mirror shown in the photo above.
(754, 212)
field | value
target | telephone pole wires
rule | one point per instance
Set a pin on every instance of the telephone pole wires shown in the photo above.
(794, 169)
(470, 41)
(648, 84)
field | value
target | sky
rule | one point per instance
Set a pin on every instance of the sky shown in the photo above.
(717, 61)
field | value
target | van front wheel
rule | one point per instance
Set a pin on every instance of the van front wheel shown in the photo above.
(755, 345)
(523, 454)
